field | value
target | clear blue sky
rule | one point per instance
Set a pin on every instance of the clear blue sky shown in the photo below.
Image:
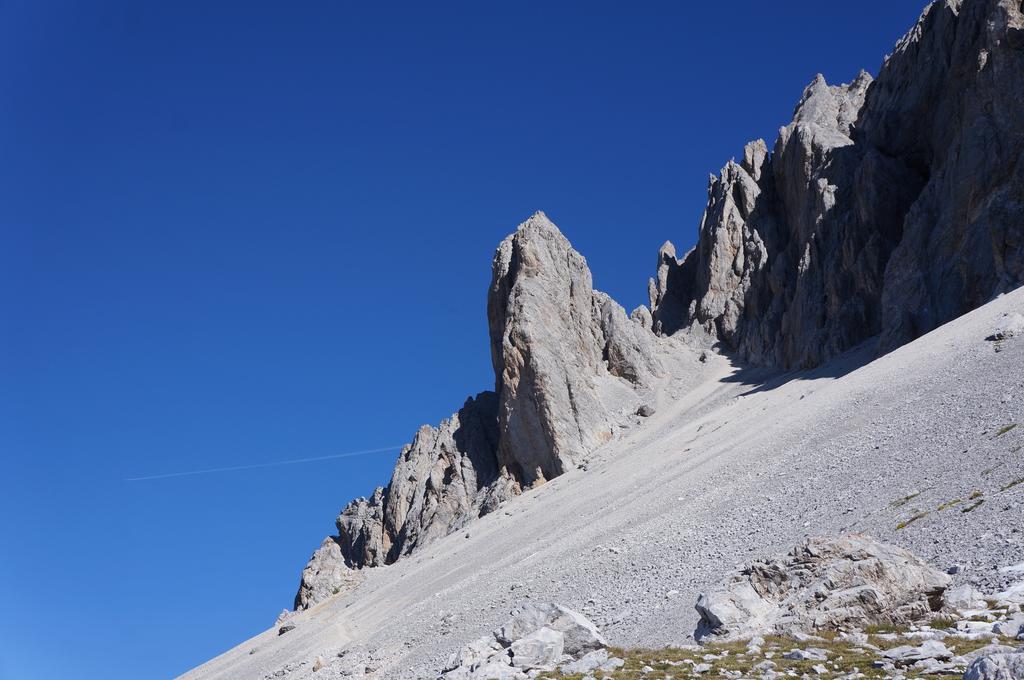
(235, 233)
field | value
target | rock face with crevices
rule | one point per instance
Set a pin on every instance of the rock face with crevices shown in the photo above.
(822, 584)
(445, 477)
(546, 351)
(553, 340)
(886, 208)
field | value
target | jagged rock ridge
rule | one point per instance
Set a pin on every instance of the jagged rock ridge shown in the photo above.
(886, 208)
(568, 363)
(445, 477)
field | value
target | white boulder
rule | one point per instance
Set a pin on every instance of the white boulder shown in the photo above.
(825, 583)
(539, 650)
(580, 634)
(997, 667)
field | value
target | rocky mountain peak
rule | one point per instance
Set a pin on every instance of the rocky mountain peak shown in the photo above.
(568, 363)
(833, 107)
(885, 208)
(546, 348)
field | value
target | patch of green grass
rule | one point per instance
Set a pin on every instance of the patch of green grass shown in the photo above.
(913, 518)
(949, 504)
(973, 506)
(732, 657)
(963, 646)
(1013, 484)
(1005, 428)
(942, 623)
(900, 502)
(843, 657)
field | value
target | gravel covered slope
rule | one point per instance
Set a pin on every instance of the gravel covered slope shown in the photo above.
(734, 463)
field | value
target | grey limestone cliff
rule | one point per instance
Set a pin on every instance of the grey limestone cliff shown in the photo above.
(886, 208)
(553, 340)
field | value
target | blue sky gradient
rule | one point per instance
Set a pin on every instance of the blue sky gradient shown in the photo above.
(240, 233)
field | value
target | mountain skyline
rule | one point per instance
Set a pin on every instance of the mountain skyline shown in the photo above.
(212, 253)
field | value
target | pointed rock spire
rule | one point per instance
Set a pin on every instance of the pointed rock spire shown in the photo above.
(547, 348)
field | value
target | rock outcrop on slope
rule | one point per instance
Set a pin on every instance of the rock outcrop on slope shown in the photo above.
(325, 574)
(886, 208)
(569, 365)
(996, 667)
(825, 583)
(538, 637)
(445, 477)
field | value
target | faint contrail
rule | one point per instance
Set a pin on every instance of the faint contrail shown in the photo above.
(275, 463)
